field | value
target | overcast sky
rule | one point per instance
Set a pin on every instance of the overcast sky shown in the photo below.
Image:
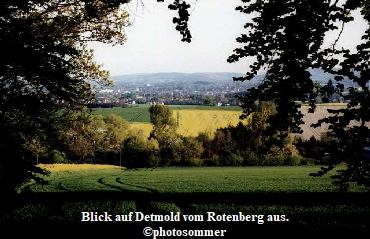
(153, 45)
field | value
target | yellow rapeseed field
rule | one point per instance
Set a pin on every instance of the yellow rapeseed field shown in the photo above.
(145, 127)
(193, 122)
(75, 167)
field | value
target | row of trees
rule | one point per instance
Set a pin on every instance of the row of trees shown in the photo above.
(244, 144)
(110, 140)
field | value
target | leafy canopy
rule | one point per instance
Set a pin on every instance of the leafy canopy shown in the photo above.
(46, 74)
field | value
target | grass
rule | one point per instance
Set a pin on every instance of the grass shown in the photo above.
(308, 202)
(186, 180)
(131, 114)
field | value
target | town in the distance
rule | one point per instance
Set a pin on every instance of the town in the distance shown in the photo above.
(213, 89)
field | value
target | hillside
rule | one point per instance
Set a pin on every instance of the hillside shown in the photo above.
(206, 78)
(157, 78)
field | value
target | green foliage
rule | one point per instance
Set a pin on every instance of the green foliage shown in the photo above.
(164, 132)
(44, 77)
(161, 116)
(250, 144)
(293, 160)
(231, 159)
(317, 151)
(137, 153)
(83, 136)
(192, 162)
(94, 138)
(190, 148)
(272, 160)
(153, 161)
(58, 157)
(213, 161)
(116, 130)
(253, 159)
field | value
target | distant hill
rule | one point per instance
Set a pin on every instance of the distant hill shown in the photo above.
(207, 78)
(150, 78)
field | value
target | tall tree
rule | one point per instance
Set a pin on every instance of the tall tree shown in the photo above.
(164, 125)
(117, 129)
(285, 37)
(83, 136)
(44, 75)
(164, 131)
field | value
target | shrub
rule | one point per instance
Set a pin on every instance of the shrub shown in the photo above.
(253, 159)
(272, 160)
(231, 159)
(193, 162)
(58, 157)
(153, 161)
(214, 161)
(308, 161)
(292, 160)
(236, 160)
(134, 153)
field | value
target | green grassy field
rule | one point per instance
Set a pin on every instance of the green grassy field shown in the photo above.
(306, 201)
(190, 180)
(131, 114)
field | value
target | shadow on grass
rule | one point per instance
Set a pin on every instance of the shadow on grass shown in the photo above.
(306, 211)
(254, 198)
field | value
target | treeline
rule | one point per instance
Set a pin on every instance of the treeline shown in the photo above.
(110, 140)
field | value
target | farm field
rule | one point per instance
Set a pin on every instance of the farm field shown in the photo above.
(131, 114)
(66, 177)
(193, 122)
(140, 113)
(191, 119)
(308, 202)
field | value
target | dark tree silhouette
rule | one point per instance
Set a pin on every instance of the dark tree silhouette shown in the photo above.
(285, 37)
(45, 73)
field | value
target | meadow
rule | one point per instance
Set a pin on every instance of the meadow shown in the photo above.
(308, 202)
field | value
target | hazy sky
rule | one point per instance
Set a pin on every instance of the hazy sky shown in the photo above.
(153, 44)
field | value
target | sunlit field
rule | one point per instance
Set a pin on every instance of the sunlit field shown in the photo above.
(77, 167)
(193, 122)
